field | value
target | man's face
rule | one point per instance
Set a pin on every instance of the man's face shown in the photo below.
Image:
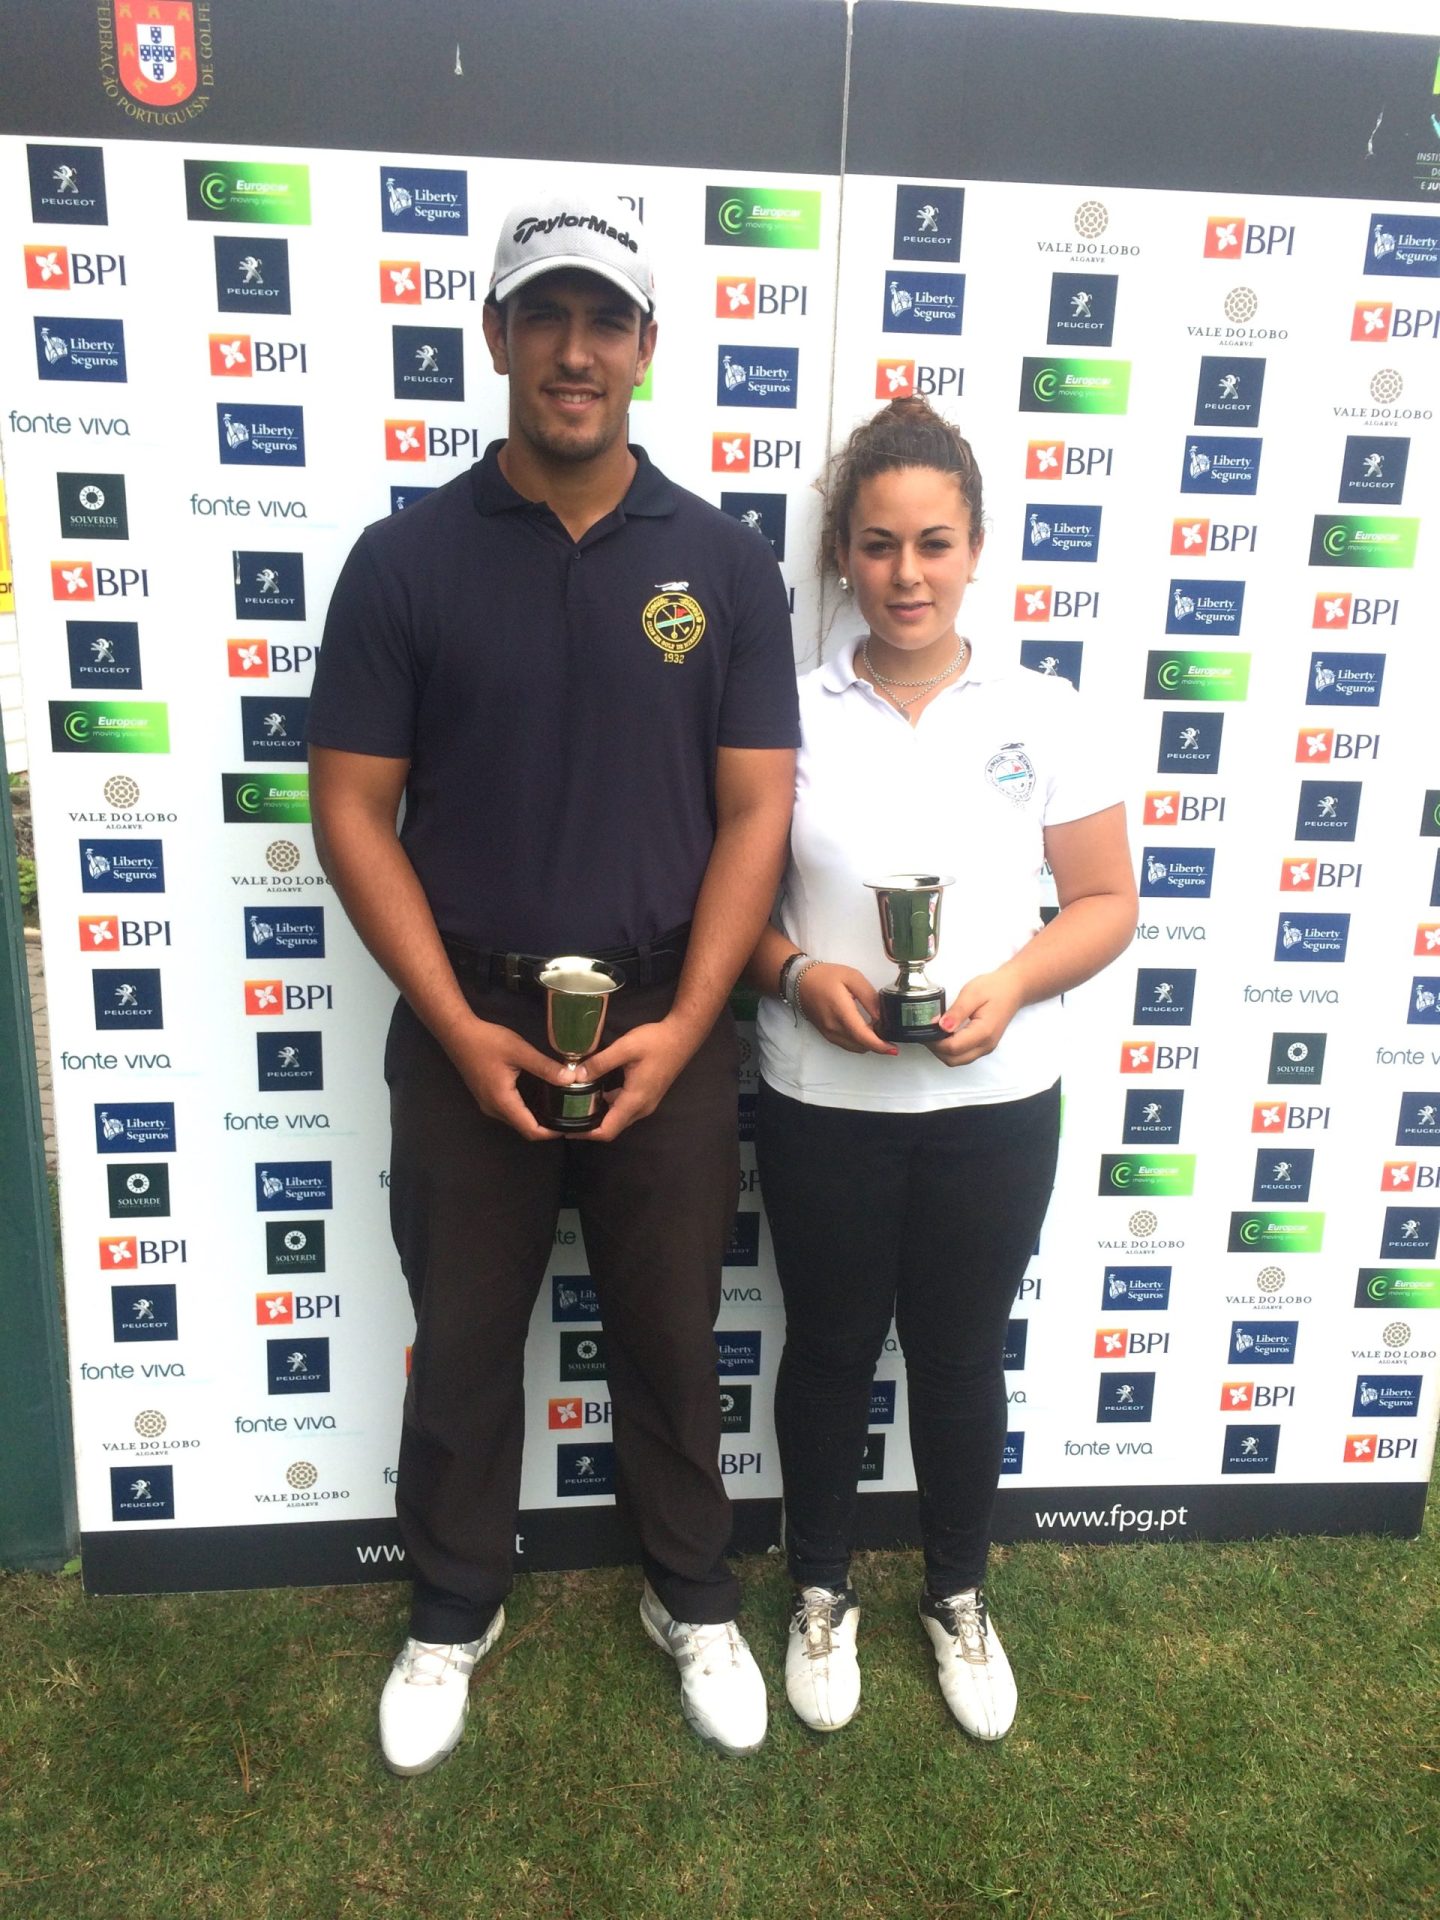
(574, 349)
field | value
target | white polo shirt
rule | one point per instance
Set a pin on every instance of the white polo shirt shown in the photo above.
(994, 759)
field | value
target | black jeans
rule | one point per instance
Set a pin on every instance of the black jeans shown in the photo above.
(929, 1218)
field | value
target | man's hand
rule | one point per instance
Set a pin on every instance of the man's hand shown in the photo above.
(977, 1018)
(651, 1056)
(489, 1059)
(840, 1003)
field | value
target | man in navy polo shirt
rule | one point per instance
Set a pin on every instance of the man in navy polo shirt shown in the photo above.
(579, 677)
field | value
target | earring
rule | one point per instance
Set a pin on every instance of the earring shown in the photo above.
(844, 584)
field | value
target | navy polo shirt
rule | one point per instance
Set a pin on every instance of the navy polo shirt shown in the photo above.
(560, 702)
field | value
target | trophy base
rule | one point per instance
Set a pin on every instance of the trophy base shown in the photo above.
(577, 1108)
(906, 1018)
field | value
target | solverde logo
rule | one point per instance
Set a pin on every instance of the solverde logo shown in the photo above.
(109, 726)
(1398, 1287)
(1265, 1232)
(1362, 540)
(762, 217)
(1133, 1174)
(268, 192)
(250, 796)
(1074, 386)
(1197, 676)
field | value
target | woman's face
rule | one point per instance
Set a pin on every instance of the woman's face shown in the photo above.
(909, 556)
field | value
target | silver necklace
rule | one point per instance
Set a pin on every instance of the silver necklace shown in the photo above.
(922, 687)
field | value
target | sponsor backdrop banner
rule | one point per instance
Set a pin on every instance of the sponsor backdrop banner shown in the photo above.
(240, 329)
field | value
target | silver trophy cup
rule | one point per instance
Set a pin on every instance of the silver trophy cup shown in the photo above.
(909, 905)
(577, 992)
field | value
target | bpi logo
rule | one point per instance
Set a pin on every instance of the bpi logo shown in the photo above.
(1276, 1116)
(745, 453)
(573, 1411)
(738, 297)
(1168, 807)
(423, 200)
(1058, 532)
(1312, 937)
(1363, 1448)
(1040, 601)
(236, 356)
(105, 933)
(1337, 610)
(1228, 236)
(1318, 746)
(74, 580)
(1057, 459)
(288, 1309)
(117, 1252)
(58, 269)
(1153, 1056)
(1201, 536)
(260, 659)
(1164, 996)
(1241, 1396)
(900, 379)
(270, 997)
(414, 440)
(405, 283)
(252, 275)
(1114, 1343)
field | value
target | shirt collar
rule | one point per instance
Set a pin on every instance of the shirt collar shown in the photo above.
(838, 674)
(650, 496)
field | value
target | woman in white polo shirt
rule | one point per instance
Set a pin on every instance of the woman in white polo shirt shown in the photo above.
(912, 1181)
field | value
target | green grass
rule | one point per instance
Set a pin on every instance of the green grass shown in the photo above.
(1247, 1730)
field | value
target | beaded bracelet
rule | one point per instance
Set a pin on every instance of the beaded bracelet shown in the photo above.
(792, 986)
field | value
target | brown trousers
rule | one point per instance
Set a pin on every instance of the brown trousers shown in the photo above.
(473, 1209)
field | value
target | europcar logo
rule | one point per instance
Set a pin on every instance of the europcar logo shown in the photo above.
(1276, 1233)
(1074, 386)
(1135, 1174)
(1197, 676)
(1410, 1288)
(268, 797)
(1363, 540)
(1403, 245)
(762, 217)
(109, 726)
(269, 192)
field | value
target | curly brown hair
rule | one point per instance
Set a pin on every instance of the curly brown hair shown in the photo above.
(907, 433)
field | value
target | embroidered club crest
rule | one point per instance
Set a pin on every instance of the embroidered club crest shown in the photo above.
(1011, 772)
(674, 621)
(156, 57)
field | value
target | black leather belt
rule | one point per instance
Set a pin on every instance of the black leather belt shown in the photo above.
(645, 966)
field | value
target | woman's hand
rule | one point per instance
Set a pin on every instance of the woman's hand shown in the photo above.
(977, 1017)
(840, 1003)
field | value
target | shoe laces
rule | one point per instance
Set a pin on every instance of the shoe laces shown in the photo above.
(966, 1618)
(814, 1620)
(710, 1647)
(433, 1662)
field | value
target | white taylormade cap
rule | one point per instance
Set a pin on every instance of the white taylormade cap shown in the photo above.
(541, 235)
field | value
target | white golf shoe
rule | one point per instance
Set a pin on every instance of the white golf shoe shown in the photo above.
(426, 1699)
(975, 1675)
(822, 1672)
(721, 1692)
